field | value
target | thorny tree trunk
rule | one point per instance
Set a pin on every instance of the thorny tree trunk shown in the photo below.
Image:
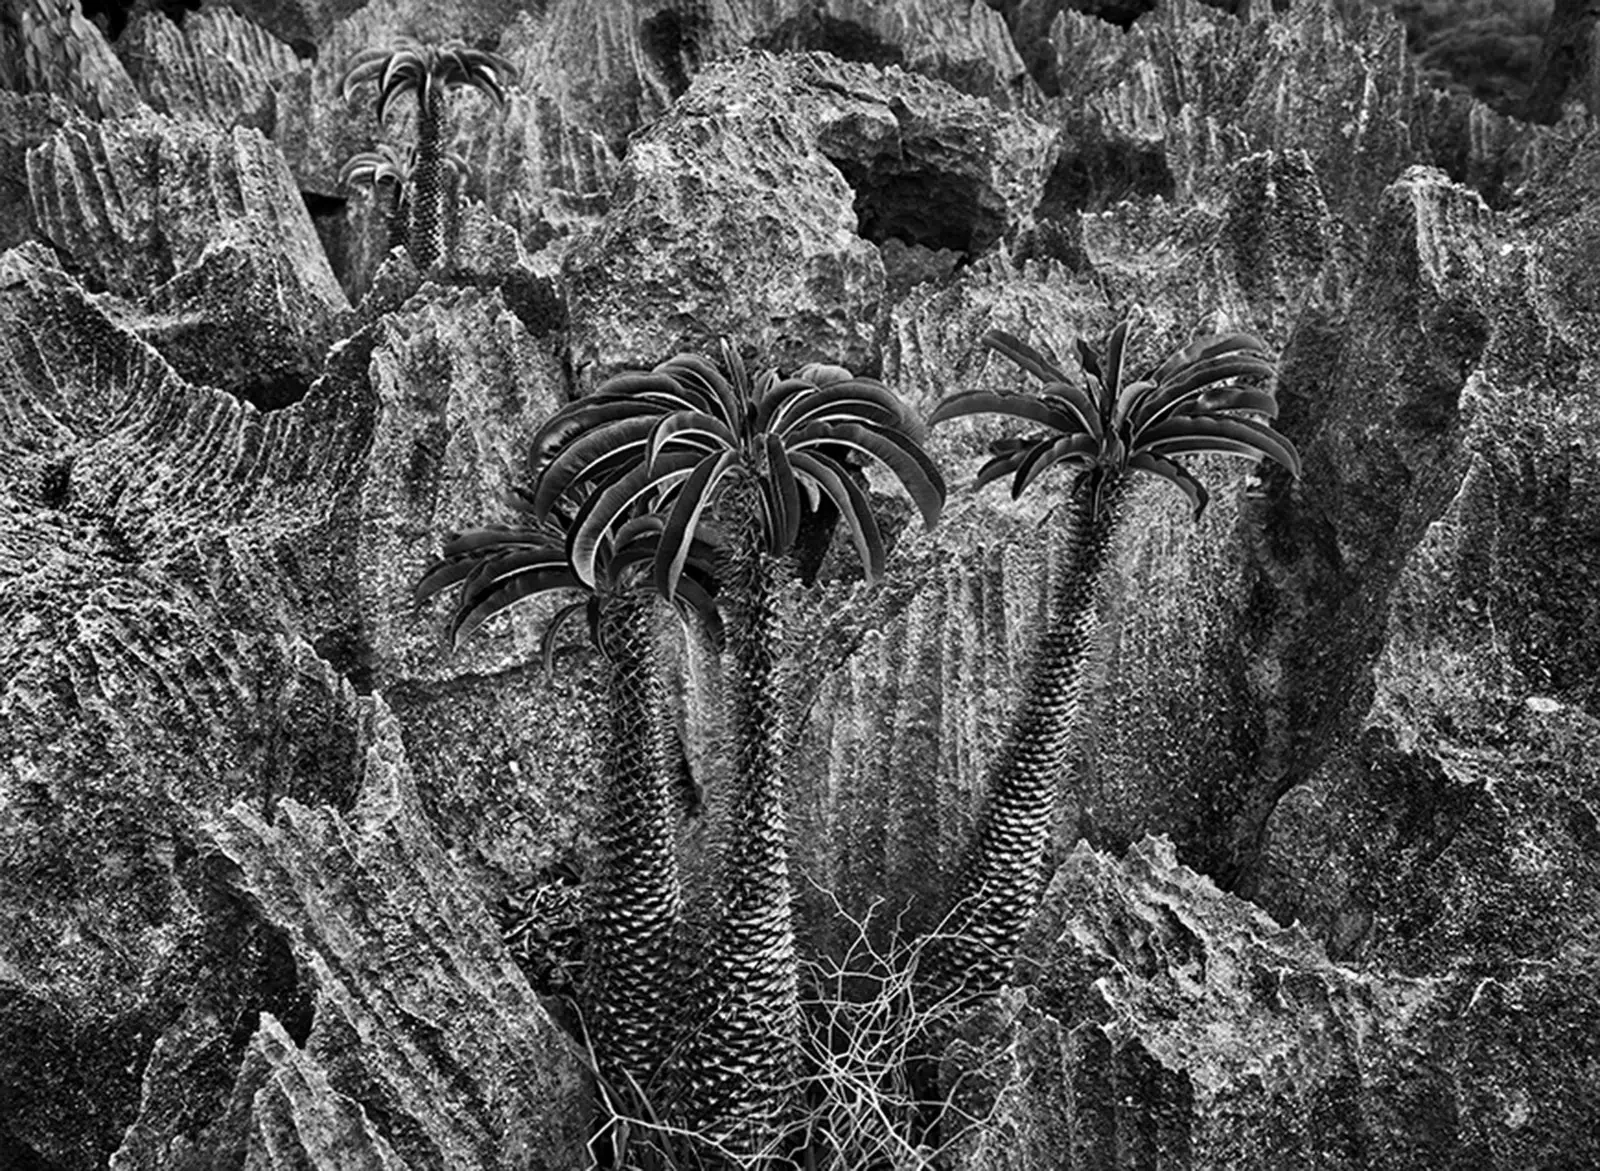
(1003, 876)
(744, 1055)
(635, 911)
(428, 180)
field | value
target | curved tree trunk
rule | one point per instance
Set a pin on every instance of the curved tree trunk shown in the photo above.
(1003, 877)
(744, 1054)
(427, 180)
(635, 910)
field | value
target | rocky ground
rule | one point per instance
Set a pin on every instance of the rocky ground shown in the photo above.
(1327, 880)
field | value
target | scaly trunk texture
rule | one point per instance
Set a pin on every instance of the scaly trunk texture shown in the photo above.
(1003, 877)
(636, 909)
(744, 1055)
(427, 180)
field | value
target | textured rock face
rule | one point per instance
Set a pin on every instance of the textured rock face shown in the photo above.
(204, 233)
(780, 166)
(218, 67)
(1167, 1024)
(252, 814)
(418, 1011)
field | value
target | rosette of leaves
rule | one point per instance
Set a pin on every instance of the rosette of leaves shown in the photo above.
(428, 73)
(691, 442)
(632, 924)
(1209, 397)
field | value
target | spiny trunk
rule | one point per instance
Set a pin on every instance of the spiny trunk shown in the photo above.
(427, 180)
(632, 933)
(744, 1055)
(1003, 877)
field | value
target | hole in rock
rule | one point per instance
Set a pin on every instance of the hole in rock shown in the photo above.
(282, 994)
(55, 483)
(1098, 173)
(347, 652)
(844, 39)
(532, 298)
(671, 40)
(928, 208)
(272, 394)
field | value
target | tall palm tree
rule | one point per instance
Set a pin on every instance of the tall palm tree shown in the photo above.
(1104, 428)
(693, 442)
(632, 924)
(428, 72)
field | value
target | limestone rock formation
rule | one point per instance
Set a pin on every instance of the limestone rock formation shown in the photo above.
(255, 817)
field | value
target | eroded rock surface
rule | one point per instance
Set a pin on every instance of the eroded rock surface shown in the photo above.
(241, 925)
(788, 169)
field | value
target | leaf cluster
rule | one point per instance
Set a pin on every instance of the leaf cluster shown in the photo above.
(427, 71)
(1109, 422)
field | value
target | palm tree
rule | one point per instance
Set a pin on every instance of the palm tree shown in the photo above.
(387, 168)
(1104, 430)
(632, 927)
(693, 443)
(429, 72)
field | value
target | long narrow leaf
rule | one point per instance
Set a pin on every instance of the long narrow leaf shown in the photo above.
(786, 495)
(694, 372)
(1207, 347)
(909, 463)
(1174, 473)
(606, 510)
(697, 491)
(1193, 433)
(1069, 448)
(853, 504)
(547, 642)
(697, 430)
(1116, 354)
(859, 399)
(507, 587)
(1020, 353)
(1004, 463)
(1019, 406)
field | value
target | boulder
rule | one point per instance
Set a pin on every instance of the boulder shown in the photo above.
(784, 171)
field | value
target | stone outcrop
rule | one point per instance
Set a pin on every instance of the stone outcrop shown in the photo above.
(217, 66)
(441, 1054)
(203, 233)
(789, 169)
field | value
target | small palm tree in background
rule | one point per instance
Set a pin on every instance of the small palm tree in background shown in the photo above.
(697, 445)
(387, 170)
(428, 72)
(632, 926)
(1104, 429)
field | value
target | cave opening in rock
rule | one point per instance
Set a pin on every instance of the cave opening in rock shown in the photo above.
(1093, 173)
(931, 209)
(671, 40)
